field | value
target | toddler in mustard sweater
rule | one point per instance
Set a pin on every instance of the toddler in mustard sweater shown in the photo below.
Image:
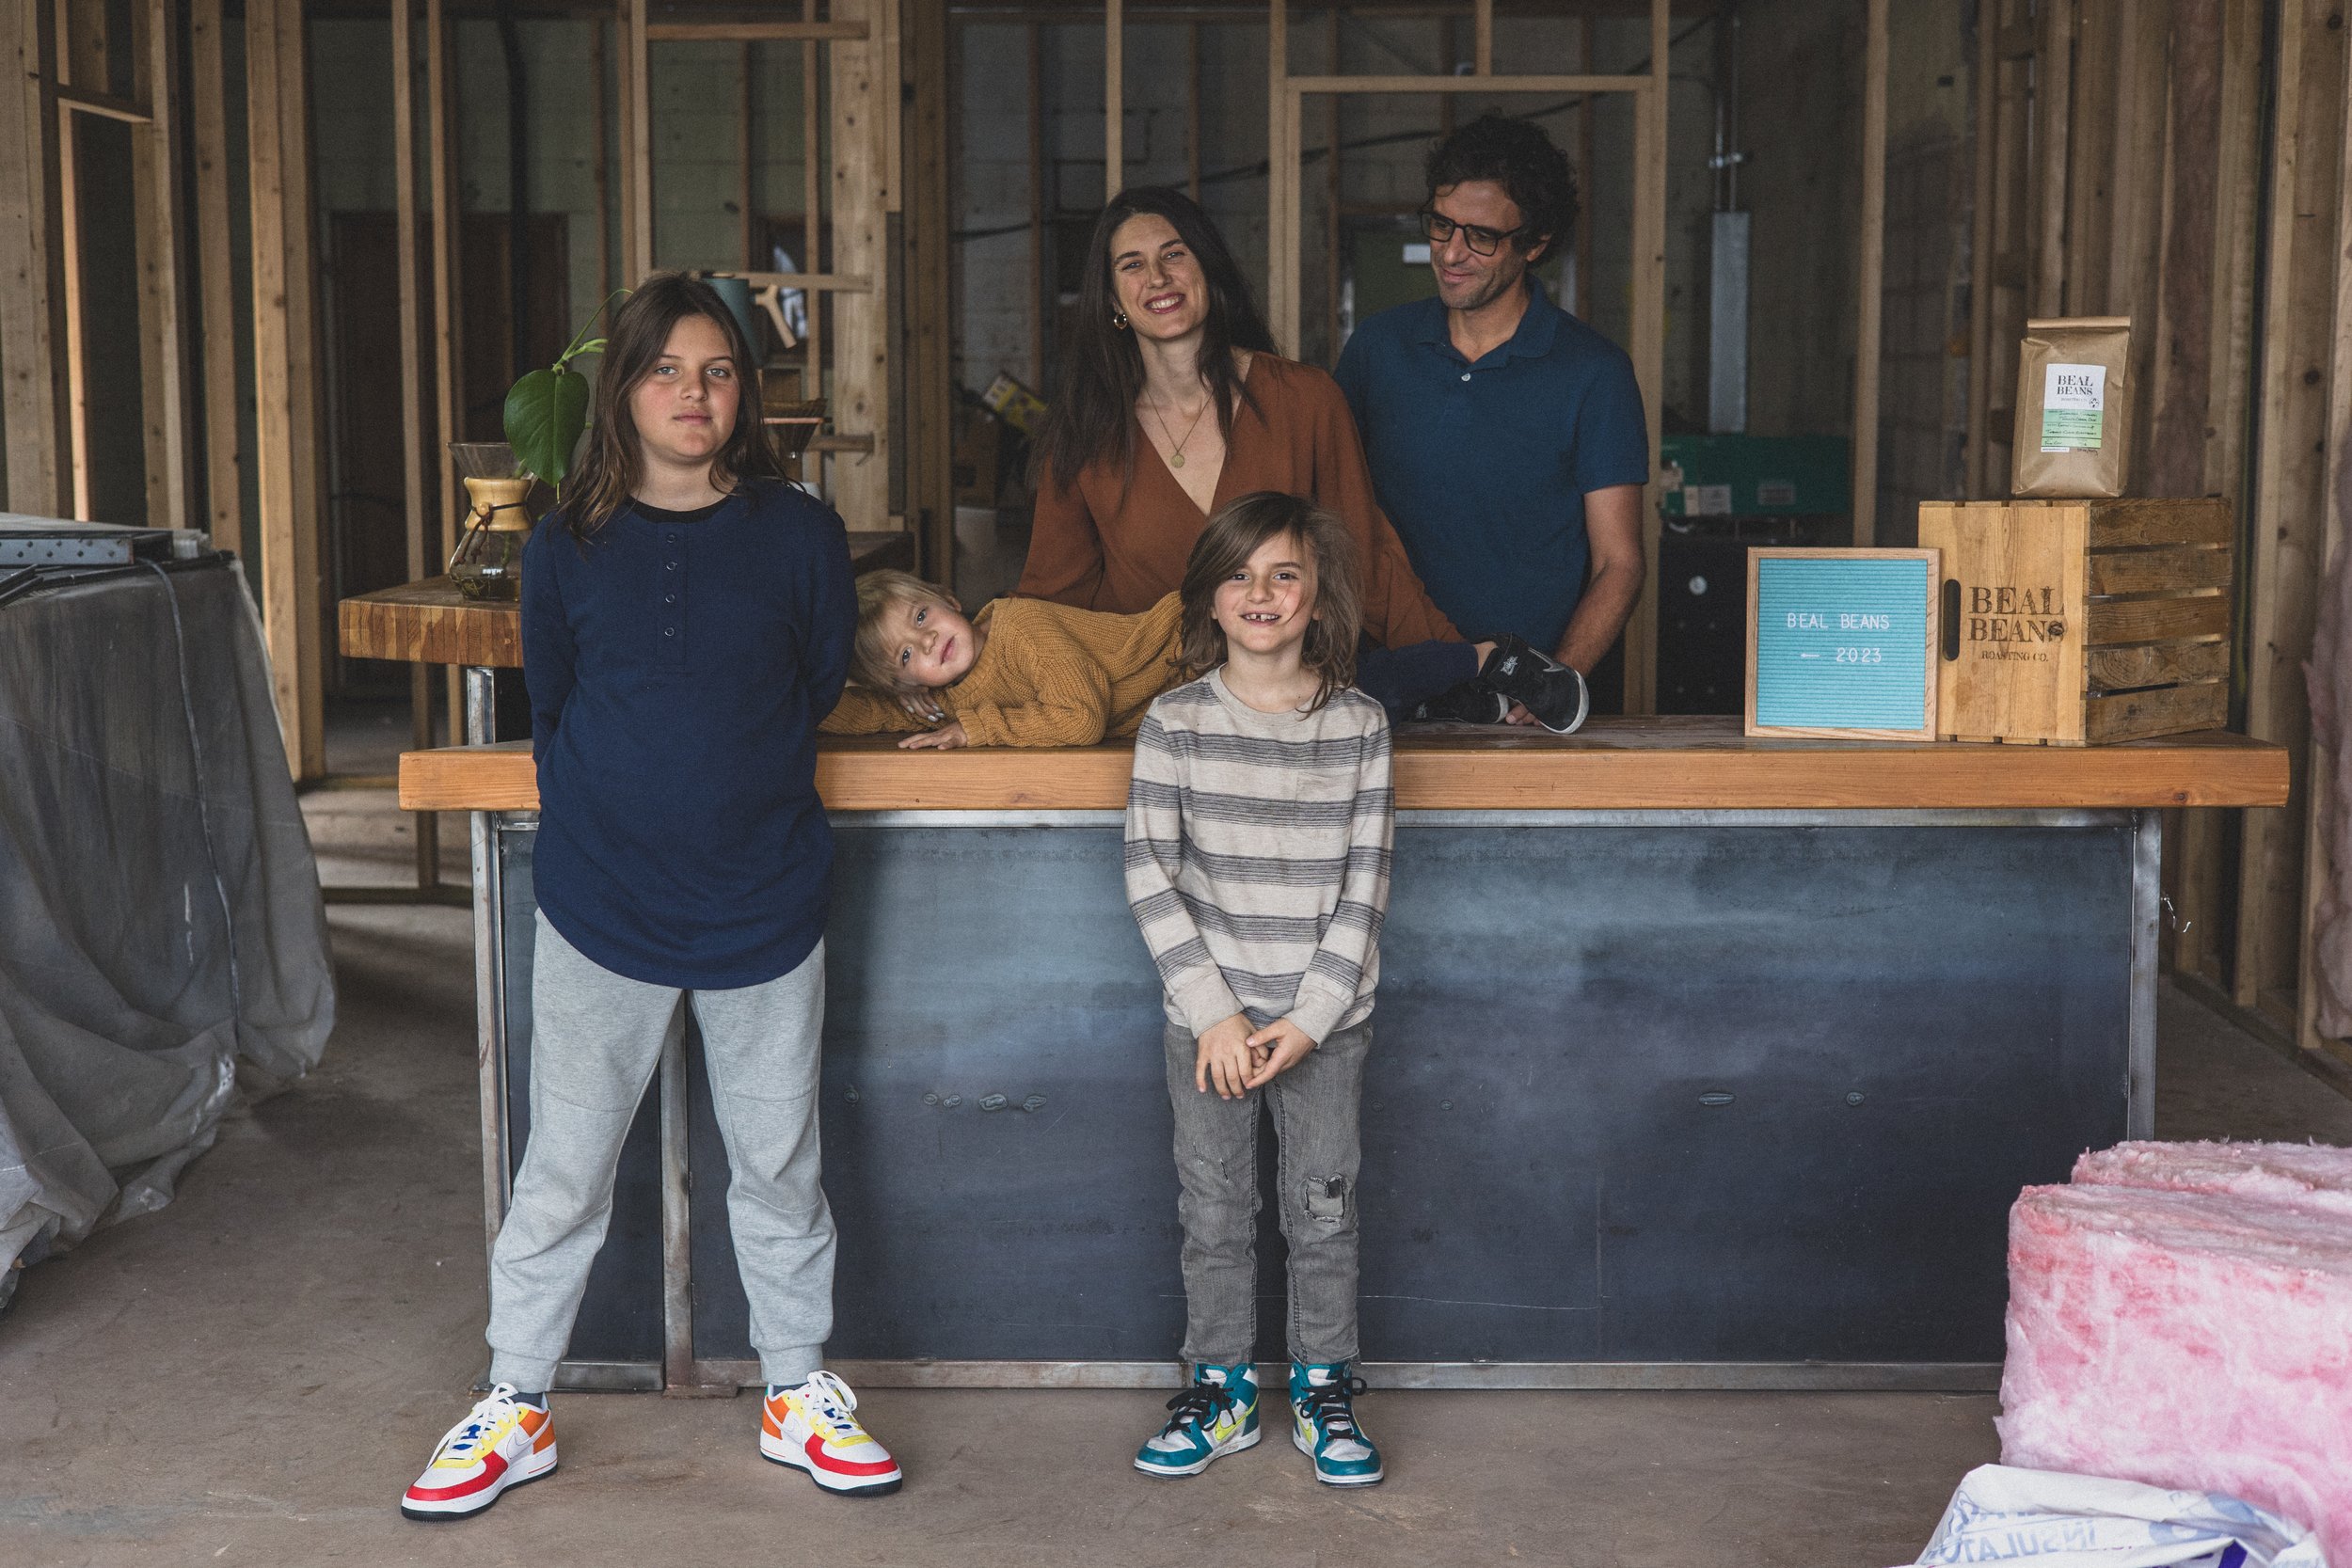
(1021, 673)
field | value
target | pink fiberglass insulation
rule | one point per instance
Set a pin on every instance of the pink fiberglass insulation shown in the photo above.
(2196, 1341)
(2307, 1176)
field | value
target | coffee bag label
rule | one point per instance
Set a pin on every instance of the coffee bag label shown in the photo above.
(2074, 407)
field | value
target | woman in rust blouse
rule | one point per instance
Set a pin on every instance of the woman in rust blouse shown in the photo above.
(1171, 403)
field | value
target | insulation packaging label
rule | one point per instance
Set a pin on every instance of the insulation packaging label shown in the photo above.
(2074, 406)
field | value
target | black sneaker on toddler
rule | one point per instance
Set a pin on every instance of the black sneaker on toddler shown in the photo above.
(1473, 702)
(1546, 688)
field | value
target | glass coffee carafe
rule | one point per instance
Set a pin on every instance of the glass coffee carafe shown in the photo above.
(489, 561)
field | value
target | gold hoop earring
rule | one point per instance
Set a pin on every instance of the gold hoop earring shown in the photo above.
(1118, 319)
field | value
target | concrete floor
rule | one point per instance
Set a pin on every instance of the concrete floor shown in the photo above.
(252, 1374)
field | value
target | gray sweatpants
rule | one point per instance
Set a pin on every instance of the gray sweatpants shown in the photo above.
(595, 1040)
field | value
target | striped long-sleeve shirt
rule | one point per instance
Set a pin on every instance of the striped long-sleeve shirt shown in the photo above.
(1258, 856)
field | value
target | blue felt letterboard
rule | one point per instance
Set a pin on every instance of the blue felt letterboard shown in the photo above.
(1841, 644)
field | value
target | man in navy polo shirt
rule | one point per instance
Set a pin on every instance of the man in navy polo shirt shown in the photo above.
(1505, 436)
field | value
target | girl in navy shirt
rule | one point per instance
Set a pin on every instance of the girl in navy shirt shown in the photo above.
(687, 620)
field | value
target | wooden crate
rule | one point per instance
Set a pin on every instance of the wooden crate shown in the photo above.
(2072, 623)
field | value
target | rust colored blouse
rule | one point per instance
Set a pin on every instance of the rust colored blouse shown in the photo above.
(1097, 548)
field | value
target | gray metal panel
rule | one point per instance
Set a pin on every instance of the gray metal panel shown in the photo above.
(1910, 1023)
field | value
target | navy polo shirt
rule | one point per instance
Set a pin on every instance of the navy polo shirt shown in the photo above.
(678, 663)
(1484, 468)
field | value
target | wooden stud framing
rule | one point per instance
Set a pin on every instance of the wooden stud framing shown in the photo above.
(1871, 278)
(32, 296)
(862, 84)
(1037, 205)
(1114, 97)
(745, 209)
(928, 218)
(415, 491)
(2320, 855)
(1331, 259)
(752, 32)
(163, 332)
(1192, 110)
(285, 368)
(2053, 99)
(1648, 347)
(1583, 305)
(1483, 34)
(599, 119)
(1282, 238)
(2090, 144)
(69, 234)
(215, 281)
(813, 206)
(1980, 252)
(890, 56)
(2283, 565)
(637, 126)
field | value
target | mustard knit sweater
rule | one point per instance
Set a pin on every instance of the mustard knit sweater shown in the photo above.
(1047, 676)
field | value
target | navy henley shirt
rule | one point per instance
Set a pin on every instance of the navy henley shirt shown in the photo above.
(1484, 468)
(677, 665)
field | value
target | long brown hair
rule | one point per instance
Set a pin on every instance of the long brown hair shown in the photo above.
(1225, 546)
(612, 465)
(1091, 416)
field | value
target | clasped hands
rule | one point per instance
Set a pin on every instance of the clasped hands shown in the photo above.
(1234, 1059)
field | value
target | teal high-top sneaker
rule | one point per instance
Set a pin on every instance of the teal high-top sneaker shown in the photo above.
(1216, 1416)
(1323, 1424)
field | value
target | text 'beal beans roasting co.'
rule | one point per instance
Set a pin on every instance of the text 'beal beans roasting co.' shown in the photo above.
(2014, 614)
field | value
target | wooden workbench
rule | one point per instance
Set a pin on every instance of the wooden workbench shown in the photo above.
(1613, 765)
(431, 622)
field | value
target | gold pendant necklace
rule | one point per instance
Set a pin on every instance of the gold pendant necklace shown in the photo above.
(1176, 448)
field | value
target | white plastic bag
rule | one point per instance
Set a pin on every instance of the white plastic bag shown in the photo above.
(2052, 1520)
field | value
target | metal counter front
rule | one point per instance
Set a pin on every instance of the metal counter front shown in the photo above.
(1692, 1098)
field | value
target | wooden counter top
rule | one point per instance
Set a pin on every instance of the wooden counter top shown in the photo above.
(431, 622)
(1613, 765)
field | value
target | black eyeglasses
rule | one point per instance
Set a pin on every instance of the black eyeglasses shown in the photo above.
(1483, 242)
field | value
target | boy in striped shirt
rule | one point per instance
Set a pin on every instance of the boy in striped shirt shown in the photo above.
(1259, 824)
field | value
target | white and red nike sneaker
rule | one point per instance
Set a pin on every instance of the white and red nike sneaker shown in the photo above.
(811, 1428)
(502, 1443)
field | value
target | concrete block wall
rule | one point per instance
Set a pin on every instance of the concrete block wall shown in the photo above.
(697, 94)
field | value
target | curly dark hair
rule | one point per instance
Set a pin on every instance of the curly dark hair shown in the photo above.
(1518, 156)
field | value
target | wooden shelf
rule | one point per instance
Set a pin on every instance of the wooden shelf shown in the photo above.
(431, 622)
(1614, 764)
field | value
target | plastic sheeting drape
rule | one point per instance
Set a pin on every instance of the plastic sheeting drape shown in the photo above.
(160, 915)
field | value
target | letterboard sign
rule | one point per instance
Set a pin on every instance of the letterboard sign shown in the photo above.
(1841, 644)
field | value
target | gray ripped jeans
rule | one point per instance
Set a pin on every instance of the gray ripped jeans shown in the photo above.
(1318, 1148)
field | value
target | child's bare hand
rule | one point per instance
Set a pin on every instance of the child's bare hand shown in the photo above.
(922, 706)
(1279, 1047)
(943, 740)
(1224, 1057)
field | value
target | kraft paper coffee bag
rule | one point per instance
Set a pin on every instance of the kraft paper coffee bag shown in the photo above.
(2074, 407)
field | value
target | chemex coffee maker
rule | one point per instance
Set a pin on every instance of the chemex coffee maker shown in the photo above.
(489, 561)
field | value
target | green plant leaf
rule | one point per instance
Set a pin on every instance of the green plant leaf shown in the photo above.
(547, 411)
